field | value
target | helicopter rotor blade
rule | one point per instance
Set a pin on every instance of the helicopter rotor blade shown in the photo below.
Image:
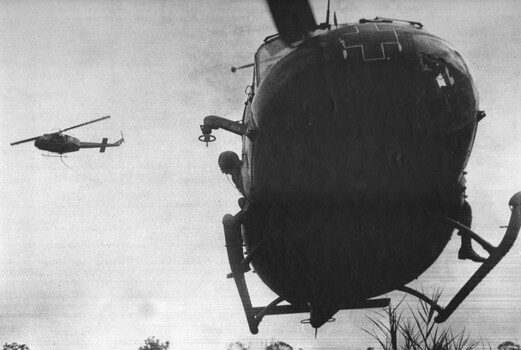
(82, 124)
(26, 140)
(293, 18)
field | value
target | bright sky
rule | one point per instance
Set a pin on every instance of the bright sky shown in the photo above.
(128, 244)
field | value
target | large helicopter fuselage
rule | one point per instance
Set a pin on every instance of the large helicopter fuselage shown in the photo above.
(357, 142)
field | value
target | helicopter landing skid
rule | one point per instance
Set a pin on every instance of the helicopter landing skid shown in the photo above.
(54, 155)
(61, 156)
(240, 265)
(495, 256)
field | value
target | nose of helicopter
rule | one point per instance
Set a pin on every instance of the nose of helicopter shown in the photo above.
(333, 127)
(370, 148)
(330, 129)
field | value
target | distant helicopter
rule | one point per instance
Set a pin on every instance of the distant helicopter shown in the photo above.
(60, 143)
(355, 139)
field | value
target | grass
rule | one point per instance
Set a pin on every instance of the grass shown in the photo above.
(418, 332)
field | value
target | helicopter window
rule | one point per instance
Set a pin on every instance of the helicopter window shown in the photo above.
(268, 55)
(439, 70)
(435, 47)
(448, 95)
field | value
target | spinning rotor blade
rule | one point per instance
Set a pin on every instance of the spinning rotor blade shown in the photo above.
(27, 140)
(92, 121)
(293, 18)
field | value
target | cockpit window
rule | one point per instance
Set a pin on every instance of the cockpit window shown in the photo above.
(436, 47)
(448, 94)
(268, 55)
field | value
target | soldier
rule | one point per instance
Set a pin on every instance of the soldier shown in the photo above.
(230, 164)
(465, 218)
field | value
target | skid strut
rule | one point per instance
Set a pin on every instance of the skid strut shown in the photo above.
(233, 238)
(495, 256)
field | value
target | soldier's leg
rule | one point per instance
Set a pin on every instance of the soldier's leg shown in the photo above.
(466, 251)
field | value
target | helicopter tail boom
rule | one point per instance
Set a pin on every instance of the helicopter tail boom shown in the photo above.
(103, 145)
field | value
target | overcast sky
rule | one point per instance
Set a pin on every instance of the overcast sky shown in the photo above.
(116, 247)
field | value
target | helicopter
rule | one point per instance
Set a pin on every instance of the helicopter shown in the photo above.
(355, 139)
(60, 143)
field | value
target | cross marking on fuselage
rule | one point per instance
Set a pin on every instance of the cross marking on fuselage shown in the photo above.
(372, 43)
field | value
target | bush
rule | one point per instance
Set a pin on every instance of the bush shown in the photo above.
(15, 346)
(508, 345)
(153, 344)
